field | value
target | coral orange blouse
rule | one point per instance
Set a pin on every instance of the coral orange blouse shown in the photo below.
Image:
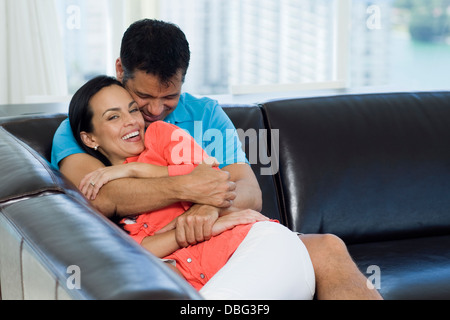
(168, 145)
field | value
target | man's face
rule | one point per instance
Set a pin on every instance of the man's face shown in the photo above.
(156, 100)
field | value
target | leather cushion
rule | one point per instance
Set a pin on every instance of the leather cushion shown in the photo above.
(365, 167)
(23, 171)
(249, 121)
(65, 232)
(36, 131)
(412, 269)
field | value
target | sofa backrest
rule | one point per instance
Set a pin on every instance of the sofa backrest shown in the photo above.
(36, 131)
(365, 167)
(353, 165)
(256, 139)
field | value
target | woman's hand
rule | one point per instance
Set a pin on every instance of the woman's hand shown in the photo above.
(193, 227)
(94, 181)
(165, 243)
(237, 218)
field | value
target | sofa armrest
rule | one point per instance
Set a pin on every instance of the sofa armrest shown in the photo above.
(53, 247)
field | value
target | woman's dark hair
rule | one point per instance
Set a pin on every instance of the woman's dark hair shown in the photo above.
(80, 112)
(155, 47)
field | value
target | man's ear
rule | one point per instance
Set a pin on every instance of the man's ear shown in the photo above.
(119, 70)
(88, 140)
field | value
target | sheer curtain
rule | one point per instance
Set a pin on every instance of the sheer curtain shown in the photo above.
(31, 51)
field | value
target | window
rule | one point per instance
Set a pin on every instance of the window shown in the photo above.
(252, 46)
(92, 32)
(84, 26)
(248, 45)
(402, 44)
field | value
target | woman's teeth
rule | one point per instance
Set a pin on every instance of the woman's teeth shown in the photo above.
(131, 135)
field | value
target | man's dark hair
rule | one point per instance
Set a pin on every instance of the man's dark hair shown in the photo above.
(156, 47)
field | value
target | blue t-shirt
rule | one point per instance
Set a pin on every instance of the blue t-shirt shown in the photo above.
(203, 118)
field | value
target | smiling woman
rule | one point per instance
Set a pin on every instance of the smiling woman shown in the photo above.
(122, 124)
(114, 128)
(107, 124)
(103, 107)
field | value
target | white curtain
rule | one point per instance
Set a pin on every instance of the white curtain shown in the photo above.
(31, 52)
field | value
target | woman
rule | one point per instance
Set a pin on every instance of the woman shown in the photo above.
(237, 262)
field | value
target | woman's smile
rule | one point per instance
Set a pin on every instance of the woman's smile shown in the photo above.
(118, 124)
(132, 137)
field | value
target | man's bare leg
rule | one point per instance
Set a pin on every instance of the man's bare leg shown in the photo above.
(337, 276)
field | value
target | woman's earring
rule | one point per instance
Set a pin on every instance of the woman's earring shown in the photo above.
(96, 148)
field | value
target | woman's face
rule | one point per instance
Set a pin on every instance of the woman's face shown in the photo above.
(118, 125)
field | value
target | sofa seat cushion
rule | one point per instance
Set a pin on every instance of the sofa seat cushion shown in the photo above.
(413, 269)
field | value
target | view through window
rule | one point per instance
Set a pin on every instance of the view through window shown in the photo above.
(237, 43)
(400, 44)
(85, 32)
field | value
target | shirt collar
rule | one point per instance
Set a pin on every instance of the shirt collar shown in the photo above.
(179, 114)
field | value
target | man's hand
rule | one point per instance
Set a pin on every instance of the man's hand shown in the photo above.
(194, 226)
(201, 223)
(209, 186)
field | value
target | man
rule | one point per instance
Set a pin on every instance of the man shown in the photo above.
(153, 63)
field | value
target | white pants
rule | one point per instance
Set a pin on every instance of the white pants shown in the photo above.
(272, 263)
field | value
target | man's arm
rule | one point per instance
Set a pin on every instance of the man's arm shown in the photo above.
(127, 197)
(196, 224)
(248, 191)
(165, 243)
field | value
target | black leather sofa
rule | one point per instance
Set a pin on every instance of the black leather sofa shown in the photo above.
(372, 169)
